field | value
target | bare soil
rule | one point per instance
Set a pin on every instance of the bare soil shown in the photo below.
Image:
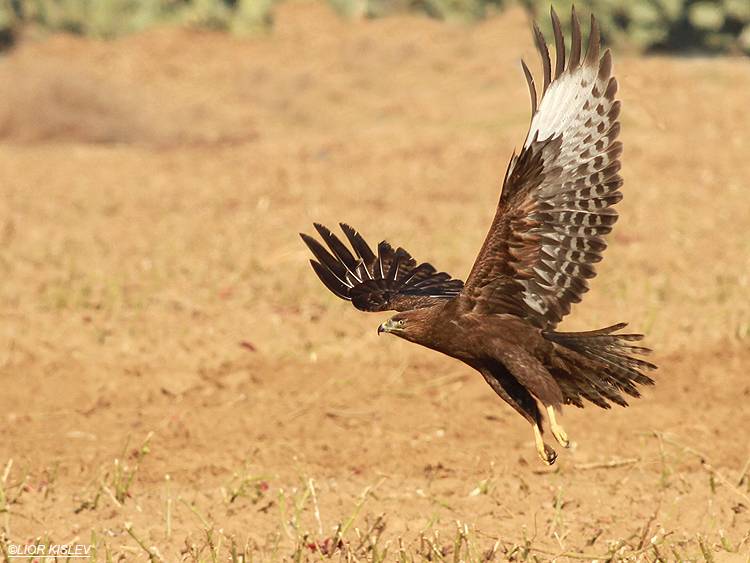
(152, 284)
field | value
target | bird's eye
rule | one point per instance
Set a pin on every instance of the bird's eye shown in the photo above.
(401, 322)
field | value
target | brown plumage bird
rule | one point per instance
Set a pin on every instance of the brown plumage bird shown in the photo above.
(555, 207)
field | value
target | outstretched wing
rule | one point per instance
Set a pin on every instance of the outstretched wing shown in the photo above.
(556, 203)
(392, 280)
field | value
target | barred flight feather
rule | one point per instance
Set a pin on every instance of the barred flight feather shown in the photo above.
(559, 191)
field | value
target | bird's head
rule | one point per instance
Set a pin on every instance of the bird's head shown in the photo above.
(410, 325)
(394, 325)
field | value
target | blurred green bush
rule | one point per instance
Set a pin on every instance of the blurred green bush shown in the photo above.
(708, 26)
(686, 26)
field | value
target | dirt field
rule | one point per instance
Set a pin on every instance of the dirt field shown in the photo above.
(153, 287)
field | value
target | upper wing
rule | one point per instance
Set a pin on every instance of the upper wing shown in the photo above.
(556, 201)
(392, 280)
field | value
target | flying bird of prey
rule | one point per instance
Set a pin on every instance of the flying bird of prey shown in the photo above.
(555, 208)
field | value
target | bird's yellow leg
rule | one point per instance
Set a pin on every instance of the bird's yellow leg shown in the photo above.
(546, 453)
(557, 430)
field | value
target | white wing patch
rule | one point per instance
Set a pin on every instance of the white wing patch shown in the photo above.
(580, 180)
(561, 107)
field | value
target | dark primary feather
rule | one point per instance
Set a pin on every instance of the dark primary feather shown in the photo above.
(556, 203)
(392, 280)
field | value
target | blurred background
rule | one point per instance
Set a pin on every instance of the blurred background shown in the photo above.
(686, 26)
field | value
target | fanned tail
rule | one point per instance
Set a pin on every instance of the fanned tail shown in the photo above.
(610, 370)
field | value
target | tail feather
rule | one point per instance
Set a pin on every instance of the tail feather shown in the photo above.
(601, 367)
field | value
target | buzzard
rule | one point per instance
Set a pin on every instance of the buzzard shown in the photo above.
(555, 207)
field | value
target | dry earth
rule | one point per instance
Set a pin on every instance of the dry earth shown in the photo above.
(153, 286)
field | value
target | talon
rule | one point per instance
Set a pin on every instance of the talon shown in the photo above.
(546, 454)
(557, 430)
(550, 455)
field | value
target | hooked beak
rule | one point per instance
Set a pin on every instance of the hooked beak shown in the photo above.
(387, 326)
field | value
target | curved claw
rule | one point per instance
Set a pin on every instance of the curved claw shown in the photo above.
(546, 453)
(550, 455)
